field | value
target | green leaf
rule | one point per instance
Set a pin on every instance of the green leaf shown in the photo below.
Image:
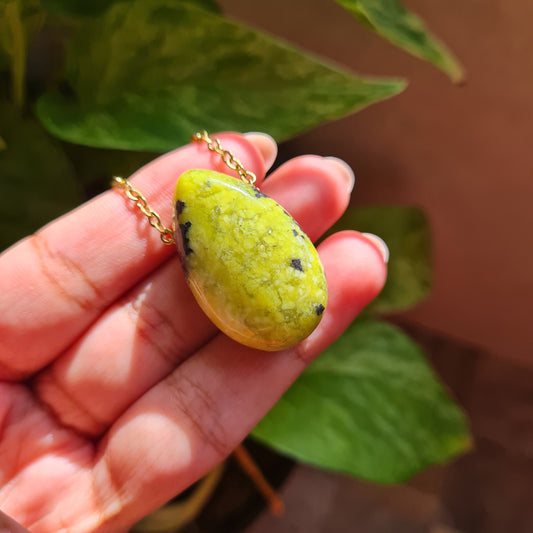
(37, 183)
(407, 234)
(92, 8)
(369, 406)
(146, 75)
(392, 21)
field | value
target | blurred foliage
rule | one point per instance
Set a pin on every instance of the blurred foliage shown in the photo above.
(407, 234)
(176, 68)
(112, 82)
(95, 8)
(391, 20)
(358, 408)
(37, 180)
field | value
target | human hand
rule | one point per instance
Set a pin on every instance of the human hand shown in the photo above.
(116, 391)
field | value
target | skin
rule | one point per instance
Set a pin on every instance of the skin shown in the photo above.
(116, 392)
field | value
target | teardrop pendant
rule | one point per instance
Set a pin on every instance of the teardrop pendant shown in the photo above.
(251, 268)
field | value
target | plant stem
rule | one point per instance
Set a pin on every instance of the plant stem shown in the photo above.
(18, 56)
(275, 503)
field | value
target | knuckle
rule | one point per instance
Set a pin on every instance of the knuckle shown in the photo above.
(200, 411)
(62, 273)
(156, 328)
(63, 405)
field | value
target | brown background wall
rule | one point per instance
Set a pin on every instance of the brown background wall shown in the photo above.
(464, 154)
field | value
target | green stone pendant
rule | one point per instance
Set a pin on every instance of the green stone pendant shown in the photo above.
(253, 271)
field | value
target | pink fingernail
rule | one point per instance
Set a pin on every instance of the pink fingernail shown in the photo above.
(381, 245)
(265, 144)
(347, 171)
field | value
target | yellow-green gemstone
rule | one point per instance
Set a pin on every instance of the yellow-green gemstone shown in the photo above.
(253, 271)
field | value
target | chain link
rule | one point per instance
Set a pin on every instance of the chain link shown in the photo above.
(213, 145)
(167, 235)
(227, 157)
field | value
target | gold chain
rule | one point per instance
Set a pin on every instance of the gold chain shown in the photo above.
(213, 145)
(167, 235)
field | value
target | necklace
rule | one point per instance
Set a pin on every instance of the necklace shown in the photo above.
(251, 268)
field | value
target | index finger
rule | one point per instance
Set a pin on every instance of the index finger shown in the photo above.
(56, 282)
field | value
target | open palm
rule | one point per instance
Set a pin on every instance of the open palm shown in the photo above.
(116, 391)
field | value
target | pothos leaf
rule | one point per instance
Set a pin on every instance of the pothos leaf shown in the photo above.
(407, 234)
(369, 406)
(391, 20)
(146, 75)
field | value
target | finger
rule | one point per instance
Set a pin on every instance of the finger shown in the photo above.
(266, 145)
(137, 342)
(150, 331)
(190, 421)
(44, 469)
(293, 187)
(8, 525)
(56, 282)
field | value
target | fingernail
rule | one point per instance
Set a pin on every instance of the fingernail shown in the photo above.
(347, 171)
(265, 144)
(381, 245)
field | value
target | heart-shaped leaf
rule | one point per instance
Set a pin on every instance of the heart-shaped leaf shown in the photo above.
(146, 75)
(370, 406)
(391, 20)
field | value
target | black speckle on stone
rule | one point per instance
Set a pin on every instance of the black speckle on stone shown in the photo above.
(294, 232)
(259, 194)
(184, 231)
(179, 207)
(319, 309)
(297, 264)
(287, 213)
